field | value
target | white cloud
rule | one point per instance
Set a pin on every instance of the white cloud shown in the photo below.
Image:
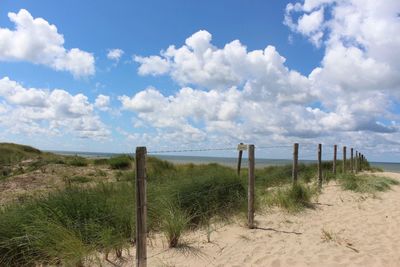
(102, 102)
(361, 39)
(50, 112)
(37, 41)
(153, 65)
(115, 54)
(311, 24)
(253, 96)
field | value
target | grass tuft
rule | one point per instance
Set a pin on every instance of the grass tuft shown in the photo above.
(79, 179)
(174, 221)
(77, 161)
(365, 183)
(293, 198)
(120, 162)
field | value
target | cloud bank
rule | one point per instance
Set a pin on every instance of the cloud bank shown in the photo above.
(250, 95)
(33, 111)
(36, 41)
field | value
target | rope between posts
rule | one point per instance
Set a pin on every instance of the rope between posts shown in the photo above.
(190, 150)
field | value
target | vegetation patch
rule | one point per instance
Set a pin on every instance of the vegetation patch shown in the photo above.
(85, 220)
(70, 227)
(120, 162)
(101, 161)
(77, 161)
(174, 221)
(365, 183)
(292, 198)
(79, 179)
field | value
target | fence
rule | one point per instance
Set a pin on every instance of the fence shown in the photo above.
(356, 163)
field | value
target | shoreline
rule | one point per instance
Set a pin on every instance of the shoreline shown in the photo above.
(225, 161)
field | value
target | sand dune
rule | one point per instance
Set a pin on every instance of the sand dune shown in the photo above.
(345, 229)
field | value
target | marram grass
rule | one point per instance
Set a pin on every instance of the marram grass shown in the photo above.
(71, 226)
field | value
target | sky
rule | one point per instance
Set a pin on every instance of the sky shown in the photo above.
(105, 76)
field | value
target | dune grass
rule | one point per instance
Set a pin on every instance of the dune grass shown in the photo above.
(71, 226)
(11, 153)
(101, 218)
(77, 161)
(66, 226)
(365, 183)
(292, 198)
(120, 162)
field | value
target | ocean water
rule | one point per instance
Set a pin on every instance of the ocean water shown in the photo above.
(232, 162)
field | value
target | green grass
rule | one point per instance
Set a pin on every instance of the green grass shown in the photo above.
(174, 221)
(120, 162)
(101, 161)
(12, 157)
(79, 179)
(67, 226)
(101, 218)
(12, 153)
(70, 227)
(125, 176)
(365, 183)
(77, 161)
(292, 198)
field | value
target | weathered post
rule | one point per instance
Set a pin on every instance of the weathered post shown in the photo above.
(356, 162)
(141, 207)
(351, 160)
(239, 164)
(295, 162)
(344, 159)
(320, 166)
(362, 162)
(250, 214)
(334, 159)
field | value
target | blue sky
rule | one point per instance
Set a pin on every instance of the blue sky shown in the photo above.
(309, 71)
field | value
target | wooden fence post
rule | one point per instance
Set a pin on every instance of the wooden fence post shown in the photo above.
(362, 162)
(141, 207)
(351, 160)
(320, 165)
(334, 159)
(356, 162)
(295, 162)
(239, 164)
(344, 159)
(250, 206)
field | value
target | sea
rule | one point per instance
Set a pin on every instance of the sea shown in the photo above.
(231, 162)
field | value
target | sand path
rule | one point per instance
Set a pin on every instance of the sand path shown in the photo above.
(345, 229)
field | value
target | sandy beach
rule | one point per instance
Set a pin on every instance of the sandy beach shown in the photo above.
(345, 229)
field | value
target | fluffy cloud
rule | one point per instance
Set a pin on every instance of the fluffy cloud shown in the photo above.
(153, 65)
(247, 95)
(50, 112)
(360, 39)
(102, 102)
(37, 41)
(115, 54)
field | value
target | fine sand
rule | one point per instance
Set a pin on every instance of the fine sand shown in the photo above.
(345, 229)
